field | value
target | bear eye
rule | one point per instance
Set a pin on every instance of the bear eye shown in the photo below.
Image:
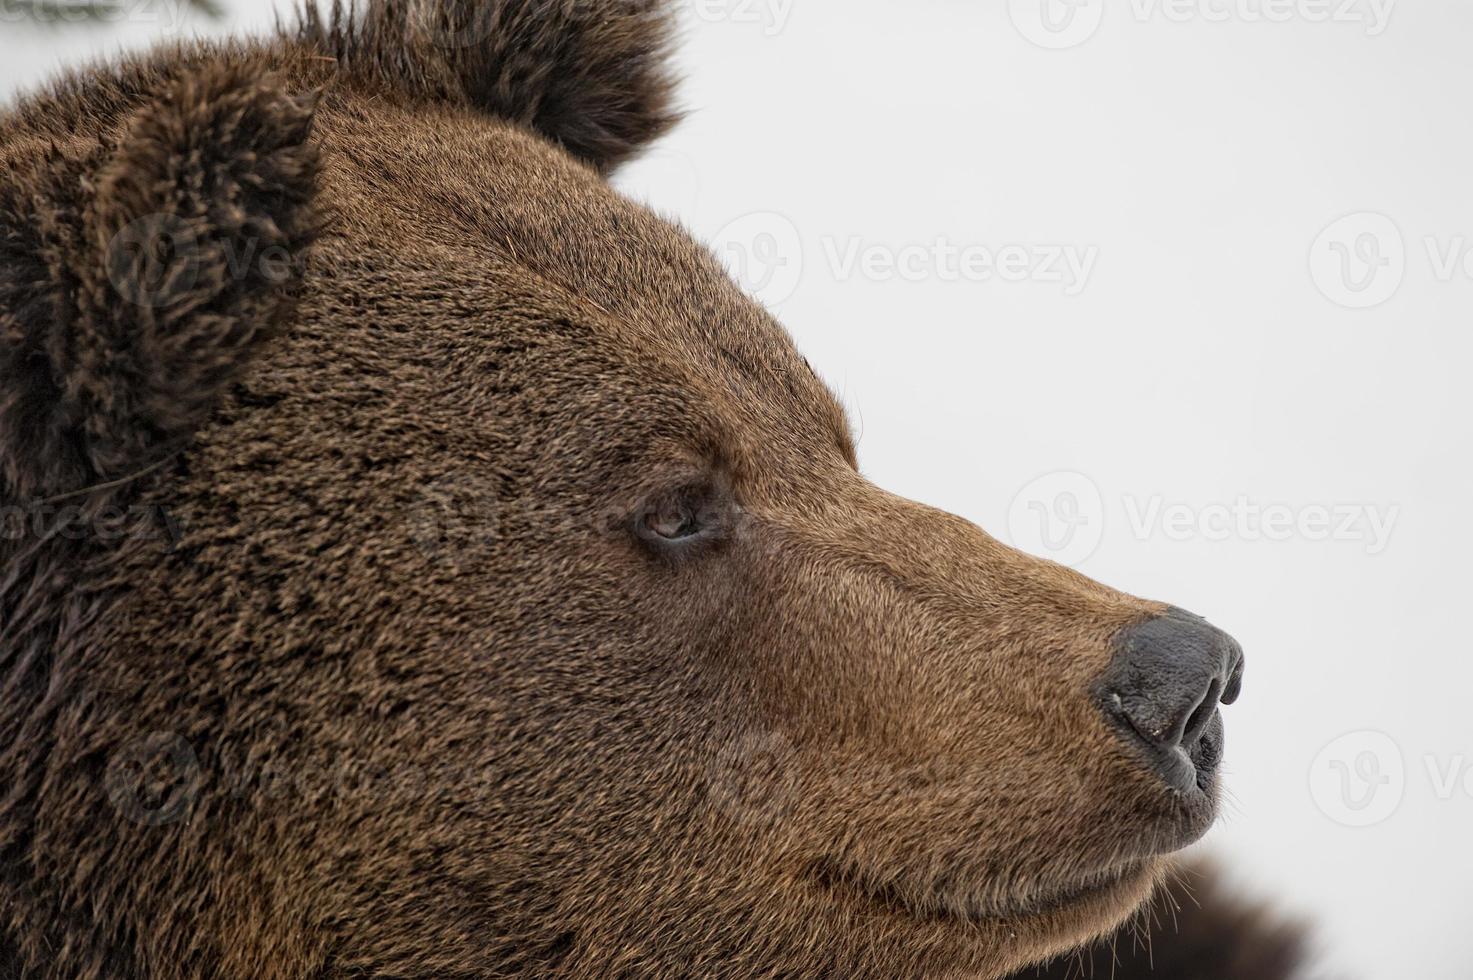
(684, 521)
(671, 521)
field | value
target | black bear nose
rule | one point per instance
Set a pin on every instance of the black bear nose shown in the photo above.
(1162, 690)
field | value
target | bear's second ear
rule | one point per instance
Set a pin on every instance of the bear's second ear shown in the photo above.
(136, 280)
(591, 75)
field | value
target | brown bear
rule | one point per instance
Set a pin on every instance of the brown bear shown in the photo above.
(421, 561)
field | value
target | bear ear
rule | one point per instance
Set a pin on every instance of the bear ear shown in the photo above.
(137, 279)
(592, 75)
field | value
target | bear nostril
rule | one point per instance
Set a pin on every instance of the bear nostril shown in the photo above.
(1235, 677)
(1197, 721)
(1163, 688)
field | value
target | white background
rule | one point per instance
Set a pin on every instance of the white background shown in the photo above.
(1208, 365)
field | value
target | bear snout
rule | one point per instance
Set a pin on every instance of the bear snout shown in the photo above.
(1161, 692)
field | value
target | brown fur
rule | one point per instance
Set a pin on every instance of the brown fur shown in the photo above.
(328, 648)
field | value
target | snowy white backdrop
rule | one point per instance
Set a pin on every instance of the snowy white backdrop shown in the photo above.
(1177, 291)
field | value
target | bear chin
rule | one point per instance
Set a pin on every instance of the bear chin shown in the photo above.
(1067, 921)
(973, 937)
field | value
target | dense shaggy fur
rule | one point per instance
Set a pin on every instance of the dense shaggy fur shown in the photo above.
(590, 76)
(127, 316)
(420, 561)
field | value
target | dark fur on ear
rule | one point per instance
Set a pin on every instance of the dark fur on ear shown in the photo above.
(591, 75)
(137, 277)
(1191, 930)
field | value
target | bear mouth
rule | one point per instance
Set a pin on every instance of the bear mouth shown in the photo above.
(939, 903)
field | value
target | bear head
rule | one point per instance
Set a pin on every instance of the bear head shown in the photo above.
(422, 561)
